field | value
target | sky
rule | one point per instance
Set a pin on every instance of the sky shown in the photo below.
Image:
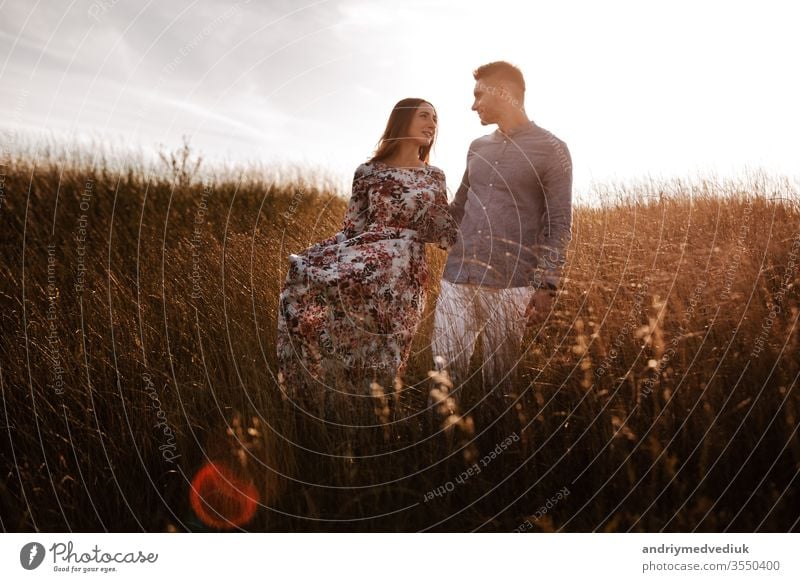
(635, 89)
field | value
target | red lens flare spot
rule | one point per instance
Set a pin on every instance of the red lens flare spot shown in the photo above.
(221, 499)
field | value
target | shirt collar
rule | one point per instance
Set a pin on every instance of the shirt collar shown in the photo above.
(514, 132)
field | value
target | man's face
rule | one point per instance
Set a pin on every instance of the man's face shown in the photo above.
(492, 98)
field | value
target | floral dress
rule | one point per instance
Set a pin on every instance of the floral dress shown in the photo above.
(351, 304)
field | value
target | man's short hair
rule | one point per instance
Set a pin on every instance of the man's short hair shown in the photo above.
(501, 70)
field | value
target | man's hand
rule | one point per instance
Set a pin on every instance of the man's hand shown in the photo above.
(539, 307)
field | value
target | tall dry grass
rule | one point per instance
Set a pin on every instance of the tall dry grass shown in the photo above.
(660, 394)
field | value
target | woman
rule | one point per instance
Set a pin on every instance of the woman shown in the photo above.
(351, 303)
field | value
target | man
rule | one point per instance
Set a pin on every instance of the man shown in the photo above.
(514, 207)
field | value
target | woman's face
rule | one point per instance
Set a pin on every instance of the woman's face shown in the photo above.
(423, 125)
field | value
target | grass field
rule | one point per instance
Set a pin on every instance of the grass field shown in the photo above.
(138, 316)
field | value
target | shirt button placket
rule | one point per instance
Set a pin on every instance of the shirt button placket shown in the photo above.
(503, 151)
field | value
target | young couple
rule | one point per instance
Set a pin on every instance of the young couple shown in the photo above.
(351, 304)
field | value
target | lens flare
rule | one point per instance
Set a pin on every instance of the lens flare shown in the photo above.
(221, 499)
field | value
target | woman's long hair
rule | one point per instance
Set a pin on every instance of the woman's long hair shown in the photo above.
(397, 129)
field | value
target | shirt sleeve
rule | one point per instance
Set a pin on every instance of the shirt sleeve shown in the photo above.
(557, 219)
(460, 201)
(440, 227)
(355, 218)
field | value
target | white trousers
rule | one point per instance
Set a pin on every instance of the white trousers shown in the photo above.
(463, 312)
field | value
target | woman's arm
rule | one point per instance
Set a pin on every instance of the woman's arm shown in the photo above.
(441, 228)
(355, 219)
